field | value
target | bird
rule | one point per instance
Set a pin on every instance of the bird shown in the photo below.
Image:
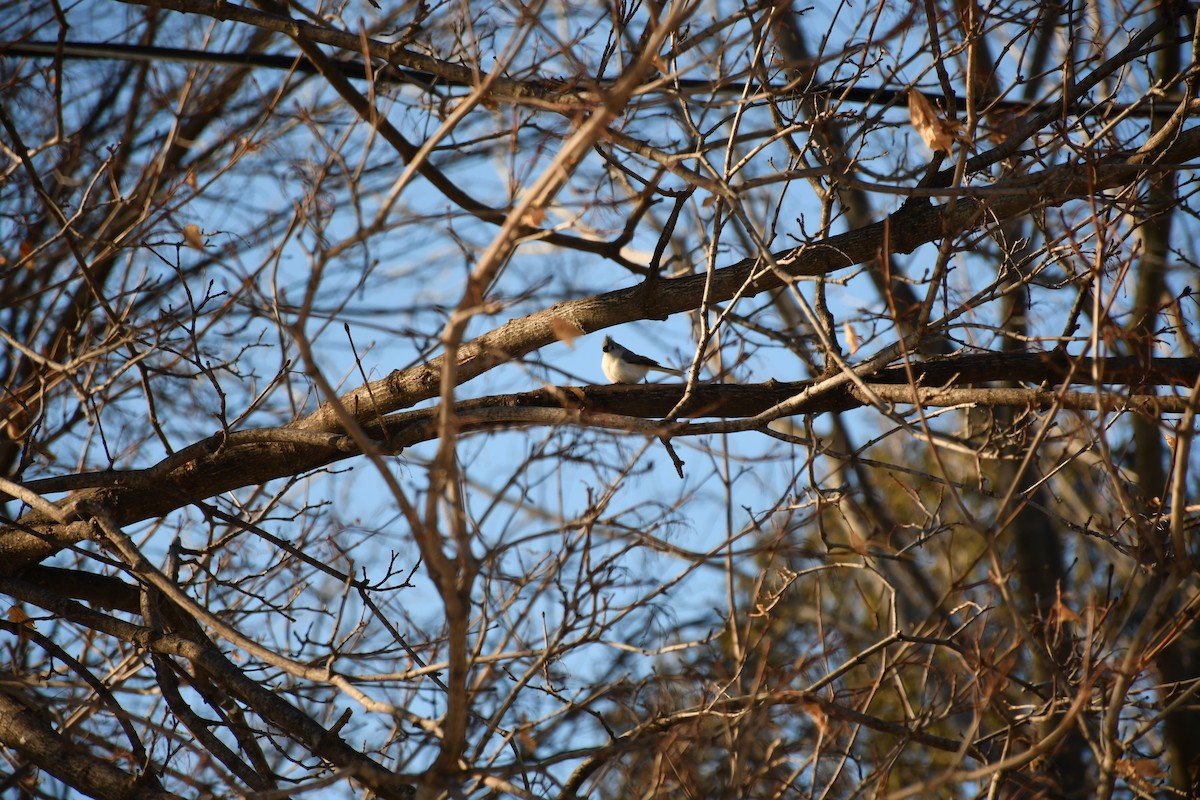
(622, 365)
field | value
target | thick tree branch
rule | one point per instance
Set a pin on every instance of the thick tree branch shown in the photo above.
(246, 458)
(905, 230)
(206, 659)
(546, 90)
(24, 731)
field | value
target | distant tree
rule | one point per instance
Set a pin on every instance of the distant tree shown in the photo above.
(308, 484)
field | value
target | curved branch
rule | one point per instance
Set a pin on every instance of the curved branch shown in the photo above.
(206, 658)
(911, 226)
(26, 732)
(246, 458)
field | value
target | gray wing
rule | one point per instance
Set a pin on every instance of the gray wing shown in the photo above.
(642, 361)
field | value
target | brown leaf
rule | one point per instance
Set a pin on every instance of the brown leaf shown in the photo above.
(566, 330)
(857, 543)
(851, 337)
(528, 742)
(819, 718)
(18, 617)
(939, 134)
(193, 236)
(1060, 612)
(1144, 768)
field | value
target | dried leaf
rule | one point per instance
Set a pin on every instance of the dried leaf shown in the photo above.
(534, 217)
(1143, 768)
(17, 616)
(193, 236)
(528, 742)
(566, 330)
(851, 337)
(819, 718)
(858, 544)
(1060, 612)
(939, 134)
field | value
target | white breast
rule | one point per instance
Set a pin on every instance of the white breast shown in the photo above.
(619, 371)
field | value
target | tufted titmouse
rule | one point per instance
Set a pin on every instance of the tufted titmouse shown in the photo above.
(622, 365)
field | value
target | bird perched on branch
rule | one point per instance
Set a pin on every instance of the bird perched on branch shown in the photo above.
(622, 365)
